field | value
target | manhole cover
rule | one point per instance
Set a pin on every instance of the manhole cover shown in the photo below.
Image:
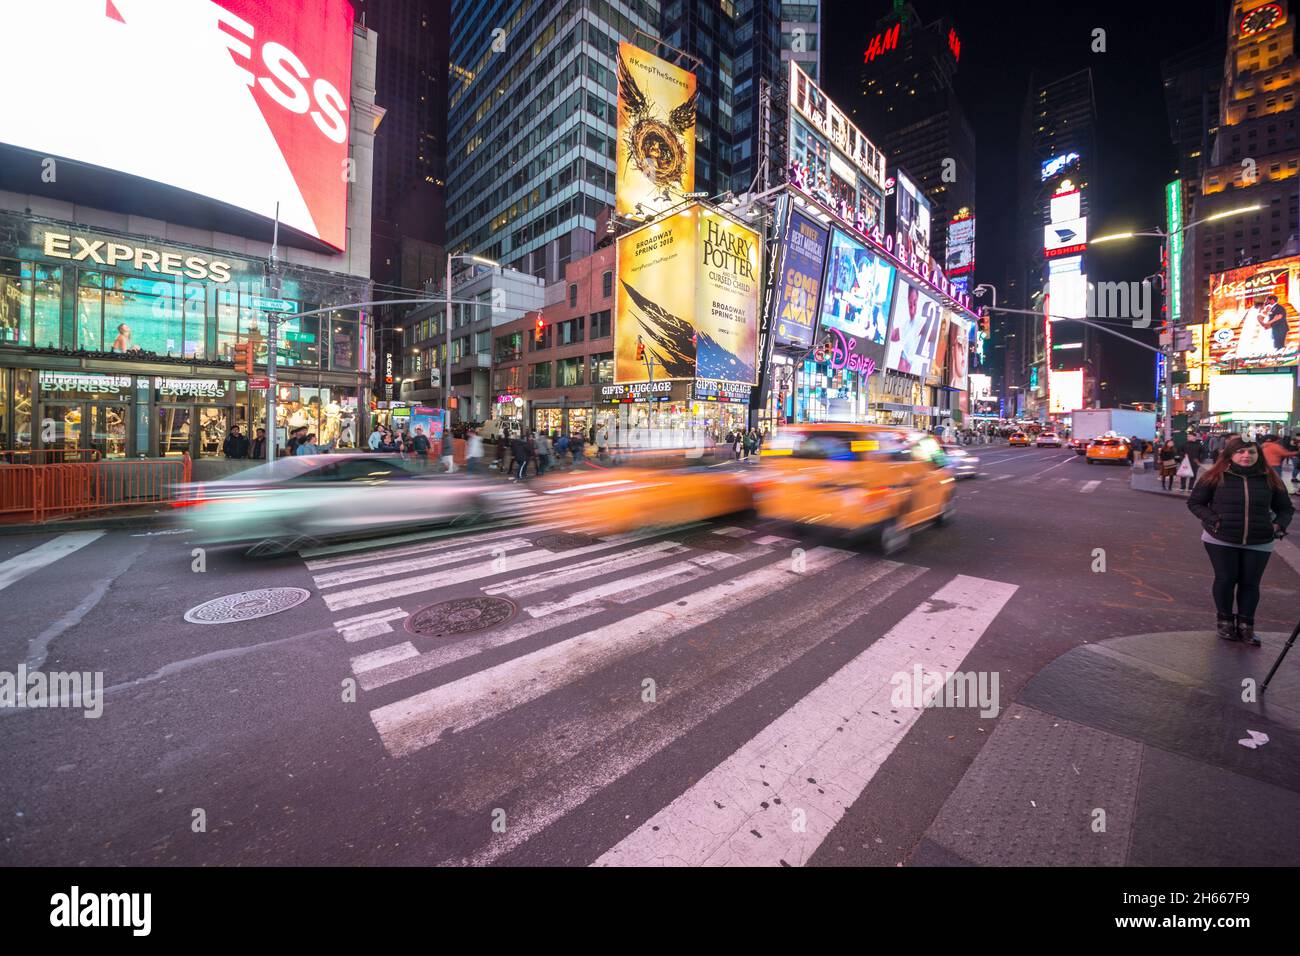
(461, 616)
(246, 605)
(713, 542)
(563, 542)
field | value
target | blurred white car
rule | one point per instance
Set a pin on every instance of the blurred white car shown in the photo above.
(1048, 440)
(961, 462)
(300, 501)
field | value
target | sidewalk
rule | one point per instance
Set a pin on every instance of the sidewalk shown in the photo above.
(1143, 736)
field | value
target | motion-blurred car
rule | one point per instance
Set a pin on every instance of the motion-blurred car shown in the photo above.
(1048, 440)
(1107, 449)
(627, 498)
(299, 502)
(961, 462)
(872, 481)
(1018, 439)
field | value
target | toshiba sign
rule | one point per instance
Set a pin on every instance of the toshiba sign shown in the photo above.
(242, 101)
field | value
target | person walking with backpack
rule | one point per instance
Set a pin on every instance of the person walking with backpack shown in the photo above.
(543, 446)
(519, 454)
(420, 445)
(1243, 507)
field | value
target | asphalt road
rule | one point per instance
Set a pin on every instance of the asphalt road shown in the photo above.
(718, 694)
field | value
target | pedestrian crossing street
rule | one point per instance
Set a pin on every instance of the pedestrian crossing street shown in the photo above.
(708, 613)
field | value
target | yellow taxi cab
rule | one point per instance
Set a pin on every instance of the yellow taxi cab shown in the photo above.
(1107, 449)
(1018, 438)
(875, 481)
(629, 498)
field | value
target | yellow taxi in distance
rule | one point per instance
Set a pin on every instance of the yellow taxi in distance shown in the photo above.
(616, 500)
(1018, 438)
(870, 480)
(1107, 449)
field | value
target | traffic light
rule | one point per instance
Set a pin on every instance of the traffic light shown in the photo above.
(244, 357)
(541, 327)
(984, 319)
(640, 349)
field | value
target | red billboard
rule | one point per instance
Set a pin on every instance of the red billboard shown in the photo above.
(242, 101)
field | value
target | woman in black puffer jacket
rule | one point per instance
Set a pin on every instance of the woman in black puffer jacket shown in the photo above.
(1243, 507)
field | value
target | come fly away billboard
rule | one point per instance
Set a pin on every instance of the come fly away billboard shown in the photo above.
(656, 133)
(799, 286)
(256, 98)
(688, 291)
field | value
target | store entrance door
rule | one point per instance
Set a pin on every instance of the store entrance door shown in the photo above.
(109, 431)
(174, 427)
(214, 425)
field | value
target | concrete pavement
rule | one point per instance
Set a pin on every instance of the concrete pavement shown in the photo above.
(334, 732)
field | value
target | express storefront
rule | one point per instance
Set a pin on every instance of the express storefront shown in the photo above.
(123, 347)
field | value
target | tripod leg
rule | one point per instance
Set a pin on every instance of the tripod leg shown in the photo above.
(1277, 663)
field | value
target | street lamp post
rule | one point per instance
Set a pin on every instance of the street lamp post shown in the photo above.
(1166, 380)
(446, 359)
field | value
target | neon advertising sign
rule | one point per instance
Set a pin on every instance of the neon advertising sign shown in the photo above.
(882, 42)
(840, 351)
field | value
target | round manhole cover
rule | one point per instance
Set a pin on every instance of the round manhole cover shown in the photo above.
(461, 616)
(713, 542)
(563, 542)
(246, 605)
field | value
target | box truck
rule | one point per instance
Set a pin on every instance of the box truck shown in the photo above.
(1089, 423)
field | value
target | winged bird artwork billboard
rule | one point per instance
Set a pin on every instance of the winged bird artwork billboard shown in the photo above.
(656, 133)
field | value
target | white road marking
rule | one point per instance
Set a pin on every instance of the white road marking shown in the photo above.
(1001, 477)
(558, 577)
(359, 628)
(579, 757)
(396, 588)
(43, 555)
(388, 655)
(411, 724)
(819, 755)
(385, 554)
(529, 627)
(775, 539)
(388, 569)
(1089, 486)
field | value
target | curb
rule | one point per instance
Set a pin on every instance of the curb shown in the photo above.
(105, 523)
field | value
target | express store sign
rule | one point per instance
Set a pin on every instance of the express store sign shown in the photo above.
(258, 95)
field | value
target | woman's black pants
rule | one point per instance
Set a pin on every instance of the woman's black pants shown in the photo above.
(1237, 571)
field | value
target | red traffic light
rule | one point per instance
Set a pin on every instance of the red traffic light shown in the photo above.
(640, 350)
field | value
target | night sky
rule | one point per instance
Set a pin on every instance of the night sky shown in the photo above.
(1002, 42)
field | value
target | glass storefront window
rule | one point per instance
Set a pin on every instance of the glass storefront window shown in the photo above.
(90, 310)
(227, 324)
(143, 315)
(196, 321)
(30, 296)
(328, 413)
(343, 341)
(61, 427)
(300, 341)
(173, 431)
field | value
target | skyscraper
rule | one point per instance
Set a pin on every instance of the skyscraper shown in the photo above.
(1059, 152)
(531, 126)
(1255, 154)
(909, 104)
(801, 38)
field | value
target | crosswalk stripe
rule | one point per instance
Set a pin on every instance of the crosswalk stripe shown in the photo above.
(356, 629)
(819, 755)
(1089, 486)
(45, 554)
(387, 569)
(386, 554)
(558, 577)
(528, 627)
(606, 745)
(388, 655)
(394, 588)
(411, 724)
(775, 539)
(681, 571)
(1001, 477)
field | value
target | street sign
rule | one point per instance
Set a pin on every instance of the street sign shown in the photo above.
(271, 305)
(259, 382)
(299, 337)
